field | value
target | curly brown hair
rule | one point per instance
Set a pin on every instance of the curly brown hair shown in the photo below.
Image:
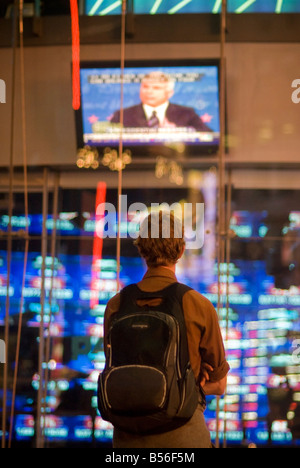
(161, 239)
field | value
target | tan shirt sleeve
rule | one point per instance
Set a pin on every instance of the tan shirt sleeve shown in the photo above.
(204, 335)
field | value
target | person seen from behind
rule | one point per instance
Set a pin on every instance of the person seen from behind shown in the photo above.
(161, 254)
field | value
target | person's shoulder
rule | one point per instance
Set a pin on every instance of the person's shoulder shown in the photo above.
(198, 299)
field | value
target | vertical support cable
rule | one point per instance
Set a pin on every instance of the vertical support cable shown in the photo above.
(26, 211)
(40, 417)
(228, 259)
(221, 163)
(120, 168)
(48, 328)
(10, 213)
(222, 149)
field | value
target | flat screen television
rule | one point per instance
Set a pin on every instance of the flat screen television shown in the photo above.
(166, 105)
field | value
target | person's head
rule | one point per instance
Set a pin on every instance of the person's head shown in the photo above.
(161, 239)
(156, 89)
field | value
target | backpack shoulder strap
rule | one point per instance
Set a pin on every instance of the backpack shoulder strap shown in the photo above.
(133, 292)
(129, 296)
(180, 291)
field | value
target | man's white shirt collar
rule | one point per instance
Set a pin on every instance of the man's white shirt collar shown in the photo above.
(160, 111)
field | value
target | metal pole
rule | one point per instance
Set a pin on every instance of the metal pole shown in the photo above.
(40, 418)
(228, 258)
(120, 168)
(26, 210)
(10, 213)
(221, 163)
(53, 255)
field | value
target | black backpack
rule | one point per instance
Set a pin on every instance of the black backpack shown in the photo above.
(148, 385)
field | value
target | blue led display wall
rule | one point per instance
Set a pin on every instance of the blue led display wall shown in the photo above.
(142, 7)
(260, 323)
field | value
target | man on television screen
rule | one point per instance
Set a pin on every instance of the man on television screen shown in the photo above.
(156, 111)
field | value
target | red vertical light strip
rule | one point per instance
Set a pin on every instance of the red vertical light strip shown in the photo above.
(75, 54)
(98, 242)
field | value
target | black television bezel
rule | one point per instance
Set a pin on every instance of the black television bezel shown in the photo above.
(153, 150)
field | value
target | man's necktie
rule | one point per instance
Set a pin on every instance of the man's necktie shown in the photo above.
(153, 122)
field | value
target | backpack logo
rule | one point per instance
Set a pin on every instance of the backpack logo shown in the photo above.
(141, 326)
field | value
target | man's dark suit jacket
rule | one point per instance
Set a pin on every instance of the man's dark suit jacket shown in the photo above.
(181, 116)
